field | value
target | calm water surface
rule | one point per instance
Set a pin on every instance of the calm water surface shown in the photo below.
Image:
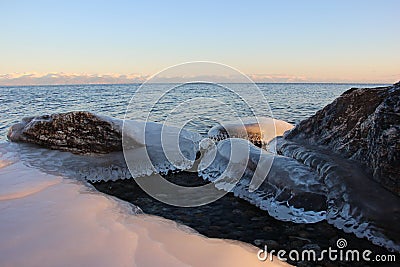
(289, 102)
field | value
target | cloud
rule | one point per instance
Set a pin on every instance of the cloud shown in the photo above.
(68, 78)
(54, 78)
(277, 78)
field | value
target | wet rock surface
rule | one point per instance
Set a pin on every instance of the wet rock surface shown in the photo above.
(77, 132)
(363, 124)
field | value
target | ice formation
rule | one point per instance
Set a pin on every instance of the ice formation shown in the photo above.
(47, 220)
(157, 148)
(259, 130)
(274, 183)
(306, 184)
(356, 203)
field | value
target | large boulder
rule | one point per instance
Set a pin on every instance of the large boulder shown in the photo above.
(78, 132)
(362, 124)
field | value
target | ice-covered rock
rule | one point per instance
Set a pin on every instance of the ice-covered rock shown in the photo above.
(356, 203)
(77, 131)
(105, 148)
(362, 124)
(287, 189)
(354, 145)
(259, 131)
(158, 148)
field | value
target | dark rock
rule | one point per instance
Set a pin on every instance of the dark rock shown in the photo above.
(363, 125)
(314, 247)
(305, 200)
(296, 244)
(237, 212)
(214, 228)
(303, 234)
(259, 242)
(272, 244)
(268, 228)
(77, 132)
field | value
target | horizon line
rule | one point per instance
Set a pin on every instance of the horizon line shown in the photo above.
(64, 78)
(139, 83)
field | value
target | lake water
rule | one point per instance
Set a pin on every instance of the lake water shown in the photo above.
(288, 102)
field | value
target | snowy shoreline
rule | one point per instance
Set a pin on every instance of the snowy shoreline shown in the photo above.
(48, 220)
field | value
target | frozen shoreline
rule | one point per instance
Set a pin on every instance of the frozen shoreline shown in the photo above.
(50, 221)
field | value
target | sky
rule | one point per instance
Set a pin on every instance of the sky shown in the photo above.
(127, 41)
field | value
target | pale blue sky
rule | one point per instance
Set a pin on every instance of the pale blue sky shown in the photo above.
(317, 40)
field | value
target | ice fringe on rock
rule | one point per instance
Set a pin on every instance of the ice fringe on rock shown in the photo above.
(356, 204)
(156, 148)
(274, 183)
(148, 147)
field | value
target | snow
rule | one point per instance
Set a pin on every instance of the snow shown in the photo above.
(47, 220)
